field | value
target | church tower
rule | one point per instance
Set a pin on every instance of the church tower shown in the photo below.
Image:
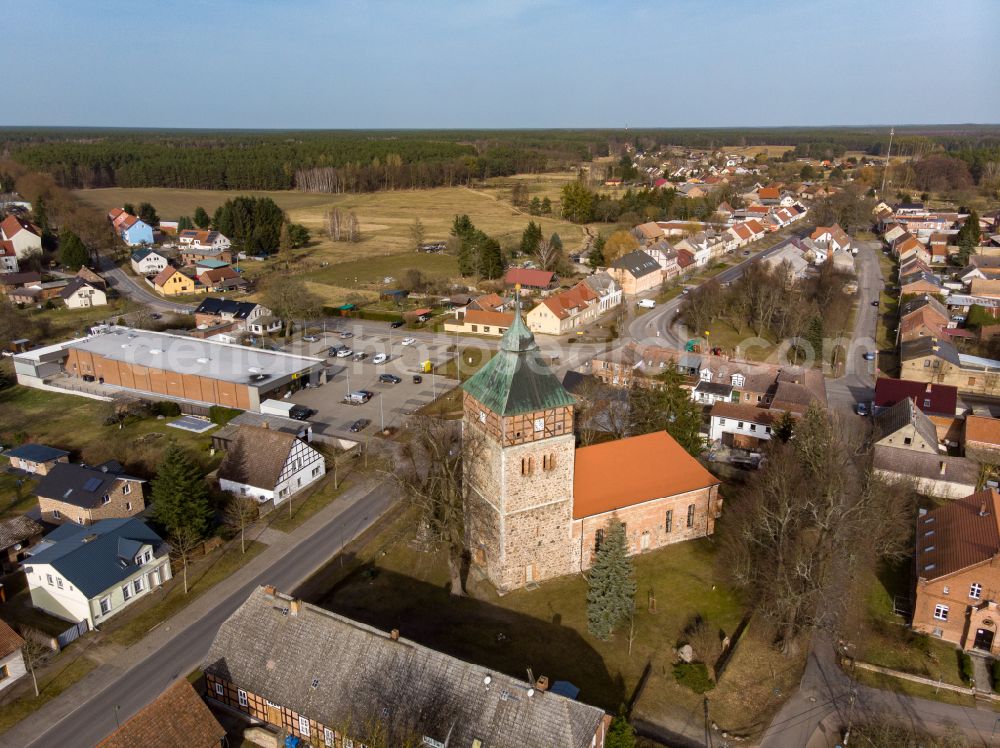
(520, 447)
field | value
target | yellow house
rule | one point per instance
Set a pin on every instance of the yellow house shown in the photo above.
(171, 282)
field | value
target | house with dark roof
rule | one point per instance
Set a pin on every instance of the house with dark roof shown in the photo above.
(17, 537)
(328, 680)
(84, 495)
(36, 459)
(958, 572)
(932, 398)
(904, 425)
(938, 475)
(148, 261)
(936, 360)
(81, 294)
(636, 273)
(12, 666)
(91, 573)
(177, 717)
(268, 464)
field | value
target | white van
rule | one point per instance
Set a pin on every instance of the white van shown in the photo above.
(647, 303)
(380, 358)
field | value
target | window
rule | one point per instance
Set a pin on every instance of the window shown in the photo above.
(241, 695)
(927, 403)
(486, 328)
(976, 591)
(972, 381)
(56, 514)
(907, 440)
(128, 506)
(219, 690)
(941, 612)
(945, 590)
(598, 539)
(315, 472)
(670, 520)
(106, 499)
(48, 579)
(722, 421)
(127, 591)
(548, 462)
(304, 726)
(327, 736)
(105, 605)
(927, 363)
(59, 582)
(147, 556)
(348, 743)
(539, 424)
(127, 488)
(138, 585)
(739, 425)
(753, 426)
(4, 672)
(482, 413)
(690, 519)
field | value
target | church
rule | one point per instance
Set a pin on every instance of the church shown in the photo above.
(537, 506)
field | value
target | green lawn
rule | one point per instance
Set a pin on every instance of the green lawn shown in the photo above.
(888, 683)
(304, 507)
(203, 574)
(54, 683)
(14, 499)
(373, 269)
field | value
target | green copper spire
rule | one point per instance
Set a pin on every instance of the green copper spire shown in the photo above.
(516, 380)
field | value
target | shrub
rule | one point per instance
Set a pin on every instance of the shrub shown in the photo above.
(693, 675)
(220, 415)
(964, 666)
(166, 408)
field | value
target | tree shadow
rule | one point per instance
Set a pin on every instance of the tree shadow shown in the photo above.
(471, 630)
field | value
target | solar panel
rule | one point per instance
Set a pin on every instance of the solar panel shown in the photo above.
(92, 484)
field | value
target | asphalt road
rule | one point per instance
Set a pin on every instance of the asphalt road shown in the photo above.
(89, 720)
(128, 285)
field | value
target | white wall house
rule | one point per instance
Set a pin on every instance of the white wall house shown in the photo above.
(738, 424)
(148, 262)
(91, 573)
(81, 295)
(8, 257)
(24, 237)
(11, 660)
(269, 465)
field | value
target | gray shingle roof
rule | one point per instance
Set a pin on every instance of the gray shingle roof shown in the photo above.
(268, 648)
(229, 307)
(98, 556)
(17, 529)
(79, 485)
(902, 414)
(921, 347)
(36, 453)
(907, 463)
(638, 263)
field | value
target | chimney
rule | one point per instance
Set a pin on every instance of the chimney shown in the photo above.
(929, 388)
(269, 590)
(982, 509)
(294, 606)
(394, 635)
(542, 684)
(944, 467)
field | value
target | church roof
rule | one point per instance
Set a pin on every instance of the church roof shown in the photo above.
(516, 380)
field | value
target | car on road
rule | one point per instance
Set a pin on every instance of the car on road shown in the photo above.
(647, 303)
(875, 303)
(334, 350)
(861, 409)
(409, 341)
(358, 397)
(397, 323)
(359, 425)
(417, 379)
(869, 356)
(389, 379)
(380, 358)
(301, 412)
(347, 334)
(360, 356)
(310, 338)
(746, 252)
(345, 352)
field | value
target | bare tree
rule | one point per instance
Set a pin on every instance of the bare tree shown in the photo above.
(334, 222)
(183, 542)
(290, 299)
(549, 256)
(35, 652)
(241, 511)
(417, 234)
(353, 228)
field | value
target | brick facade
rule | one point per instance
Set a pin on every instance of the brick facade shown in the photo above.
(36, 468)
(966, 614)
(124, 500)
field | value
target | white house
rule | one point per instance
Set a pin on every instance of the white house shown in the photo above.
(268, 465)
(11, 661)
(200, 239)
(8, 257)
(607, 289)
(148, 262)
(740, 425)
(25, 237)
(80, 295)
(91, 573)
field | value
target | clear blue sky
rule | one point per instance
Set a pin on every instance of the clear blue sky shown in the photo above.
(499, 63)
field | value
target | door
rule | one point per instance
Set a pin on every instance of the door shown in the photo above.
(984, 640)
(644, 541)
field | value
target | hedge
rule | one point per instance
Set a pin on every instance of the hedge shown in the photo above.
(219, 415)
(964, 667)
(693, 675)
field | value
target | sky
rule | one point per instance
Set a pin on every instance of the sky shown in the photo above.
(500, 63)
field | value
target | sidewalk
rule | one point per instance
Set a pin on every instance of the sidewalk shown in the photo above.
(105, 676)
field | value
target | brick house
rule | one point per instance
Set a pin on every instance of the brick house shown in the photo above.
(37, 459)
(84, 495)
(958, 572)
(176, 717)
(536, 502)
(636, 273)
(331, 681)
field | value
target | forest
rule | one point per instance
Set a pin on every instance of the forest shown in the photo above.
(364, 161)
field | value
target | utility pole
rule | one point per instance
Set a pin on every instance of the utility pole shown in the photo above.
(885, 172)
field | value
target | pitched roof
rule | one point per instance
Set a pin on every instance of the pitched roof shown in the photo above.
(484, 317)
(982, 430)
(161, 277)
(931, 398)
(223, 273)
(796, 388)
(178, 716)
(637, 263)
(35, 453)
(13, 225)
(745, 412)
(141, 254)
(256, 456)
(528, 277)
(17, 529)
(489, 302)
(98, 556)
(566, 303)
(341, 672)
(908, 463)
(755, 226)
(516, 380)
(10, 641)
(75, 285)
(921, 347)
(228, 307)
(79, 485)
(925, 300)
(902, 414)
(958, 535)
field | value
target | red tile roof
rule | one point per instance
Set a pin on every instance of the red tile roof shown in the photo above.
(631, 471)
(982, 430)
(755, 226)
(12, 225)
(162, 276)
(484, 317)
(176, 717)
(528, 278)
(566, 303)
(964, 533)
(10, 642)
(768, 193)
(942, 397)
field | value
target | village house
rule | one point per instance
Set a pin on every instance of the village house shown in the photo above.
(193, 240)
(925, 321)
(36, 459)
(148, 261)
(665, 256)
(328, 680)
(567, 310)
(132, 230)
(25, 237)
(213, 311)
(269, 465)
(958, 572)
(221, 279)
(12, 666)
(80, 294)
(191, 256)
(479, 322)
(534, 507)
(920, 282)
(8, 257)
(91, 573)
(222, 438)
(834, 237)
(937, 475)
(905, 425)
(937, 360)
(17, 537)
(177, 717)
(932, 398)
(609, 293)
(528, 279)
(172, 282)
(981, 439)
(84, 495)
(636, 273)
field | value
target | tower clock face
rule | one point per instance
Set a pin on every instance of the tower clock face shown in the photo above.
(539, 424)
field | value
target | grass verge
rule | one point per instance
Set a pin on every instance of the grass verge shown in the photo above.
(14, 711)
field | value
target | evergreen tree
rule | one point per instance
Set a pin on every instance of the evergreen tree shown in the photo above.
(201, 218)
(41, 213)
(556, 242)
(968, 237)
(530, 238)
(299, 235)
(784, 427)
(546, 206)
(611, 583)
(577, 203)
(180, 496)
(72, 252)
(147, 214)
(184, 223)
(417, 233)
(129, 208)
(814, 336)
(666, 406)
(596, 257)
(285, 239)
(535, 207)
(620, 733)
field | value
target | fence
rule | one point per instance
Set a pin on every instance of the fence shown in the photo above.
(73, 633)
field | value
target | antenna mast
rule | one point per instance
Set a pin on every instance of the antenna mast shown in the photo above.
(885, 172)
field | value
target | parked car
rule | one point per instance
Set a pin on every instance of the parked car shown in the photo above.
(417, 379)
(345, 352)
(360, 397)
(359, 425)
(360, 356)
(875, 303)
(647, 303)
(861, 409)
(301, 413)
(409, 341)
(346, 335)
(88, 377)
(869, 356)
(310, 338)
(380, 358)
(423, 318)
(389, 379)
(746, 252)
(397, 323)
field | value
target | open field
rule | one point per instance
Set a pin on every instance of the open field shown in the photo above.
(772, 151)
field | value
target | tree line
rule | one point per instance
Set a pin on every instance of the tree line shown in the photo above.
(580, 204)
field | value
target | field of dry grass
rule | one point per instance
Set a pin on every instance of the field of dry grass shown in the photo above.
(772, 151)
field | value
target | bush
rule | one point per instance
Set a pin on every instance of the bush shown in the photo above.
(220, 416)
(964, 667)
(167, 408)
(693, 675)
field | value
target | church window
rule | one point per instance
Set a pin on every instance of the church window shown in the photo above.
(527, 465)
(598, 539)
(670, 520)
(690, 518)
(548, 462)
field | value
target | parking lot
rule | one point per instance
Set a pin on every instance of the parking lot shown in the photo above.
(391, 403)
